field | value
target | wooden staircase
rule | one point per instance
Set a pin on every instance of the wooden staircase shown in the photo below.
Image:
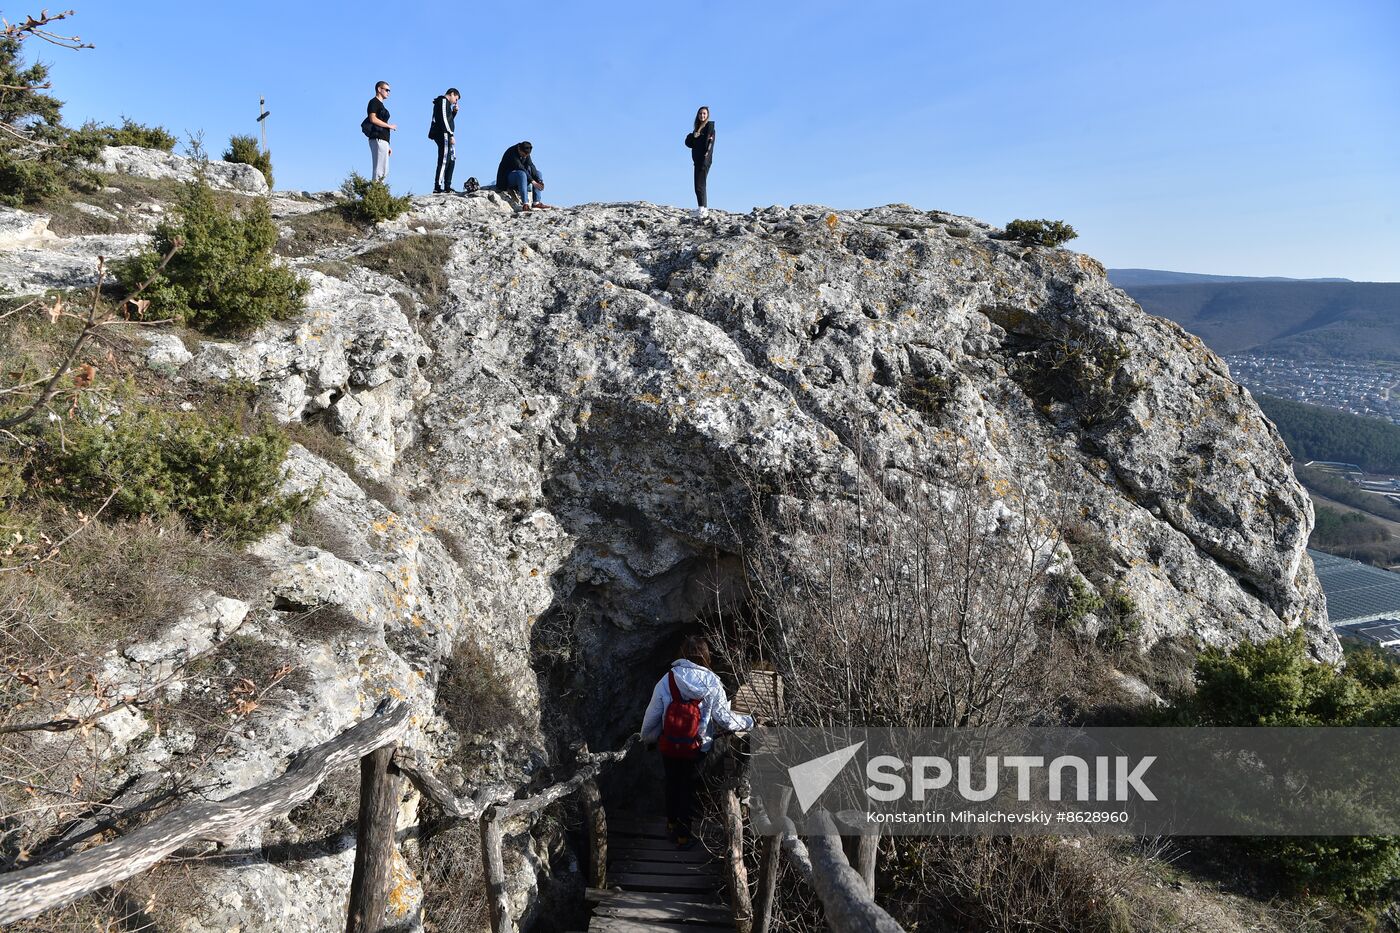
(654, 887)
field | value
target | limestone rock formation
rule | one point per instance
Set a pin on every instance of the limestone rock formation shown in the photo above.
(556, 448)
(153, 163)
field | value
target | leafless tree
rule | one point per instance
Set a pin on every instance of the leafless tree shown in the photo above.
(914, 601)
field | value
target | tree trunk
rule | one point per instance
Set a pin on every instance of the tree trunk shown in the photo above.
(494, 865)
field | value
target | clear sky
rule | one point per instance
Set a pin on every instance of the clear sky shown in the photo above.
(1248, 138)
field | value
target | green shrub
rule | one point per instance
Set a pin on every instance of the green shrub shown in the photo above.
(39, 157)
(370, 201)
(1276, 683)
(244, 150)
(131, 133)
(1071, 601)
(1040, 232)
(223, 279)
(224, 480)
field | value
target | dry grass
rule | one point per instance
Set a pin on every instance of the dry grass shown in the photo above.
(472, 696)
(454, 896)
(129, 193)
(416, 261)
(318, 230)
(112, 585)
(1001, 885)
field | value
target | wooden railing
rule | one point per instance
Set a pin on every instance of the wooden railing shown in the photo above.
(846, 894)
(35, 889)
(495, 814)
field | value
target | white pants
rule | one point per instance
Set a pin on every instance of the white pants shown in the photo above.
(379, 157)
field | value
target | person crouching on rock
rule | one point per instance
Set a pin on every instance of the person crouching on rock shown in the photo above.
(688, 708)
(517, 175)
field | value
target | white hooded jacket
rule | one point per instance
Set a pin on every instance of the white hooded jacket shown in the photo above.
(694, 682)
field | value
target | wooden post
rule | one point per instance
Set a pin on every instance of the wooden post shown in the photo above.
(861, 851)
(597, 821)
(494, 865)
(374, 843)
(738, 873)
(772, 851)
(866, 852)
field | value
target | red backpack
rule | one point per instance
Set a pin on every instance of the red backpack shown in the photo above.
(680, 729)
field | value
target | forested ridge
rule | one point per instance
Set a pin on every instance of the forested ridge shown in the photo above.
(1316, 433)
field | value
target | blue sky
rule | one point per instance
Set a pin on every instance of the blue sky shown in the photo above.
(1251, 138)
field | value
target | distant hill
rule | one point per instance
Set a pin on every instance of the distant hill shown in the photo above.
(1132, 278)
(1312, 320)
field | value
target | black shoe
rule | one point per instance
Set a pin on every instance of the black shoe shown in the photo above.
(437, 190)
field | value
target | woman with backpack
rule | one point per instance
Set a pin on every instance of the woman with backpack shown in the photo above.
(701, 142)
(688, 708)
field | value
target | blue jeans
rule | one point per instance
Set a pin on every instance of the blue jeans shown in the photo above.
(520, 181)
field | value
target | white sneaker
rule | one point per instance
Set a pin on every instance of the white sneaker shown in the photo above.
(701, 212)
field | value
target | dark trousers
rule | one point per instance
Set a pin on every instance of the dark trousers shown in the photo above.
(702, 171)
(446, 162)
(682, 785)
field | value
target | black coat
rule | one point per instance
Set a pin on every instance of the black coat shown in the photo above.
(702, 144)
(513, 161)
(444, 118)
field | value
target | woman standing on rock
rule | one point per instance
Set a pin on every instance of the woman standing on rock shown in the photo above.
(701, 142)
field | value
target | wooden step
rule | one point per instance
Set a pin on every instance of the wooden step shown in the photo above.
(640, 881)
(643, 842)
(626, 853)
(676, 913)
(615, 896)
(662, 868)
(643, 925)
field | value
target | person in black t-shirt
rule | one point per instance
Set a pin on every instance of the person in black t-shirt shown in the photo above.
(380, 127)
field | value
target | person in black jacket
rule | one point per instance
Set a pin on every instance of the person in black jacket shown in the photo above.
(701, 142)
(517, 173)
(444, 132)
(378, 129)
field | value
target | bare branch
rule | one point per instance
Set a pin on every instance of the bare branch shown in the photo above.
(90, 326)
(34, 26)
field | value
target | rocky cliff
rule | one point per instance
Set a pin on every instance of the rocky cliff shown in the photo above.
(549, 443)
